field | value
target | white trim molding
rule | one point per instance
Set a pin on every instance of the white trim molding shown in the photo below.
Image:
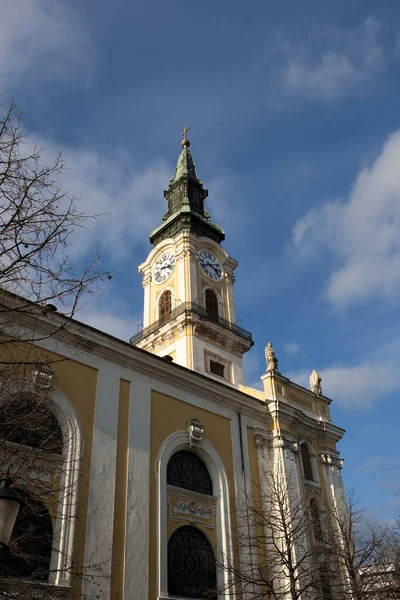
(72, 448)
(64, 528)
(206, 451)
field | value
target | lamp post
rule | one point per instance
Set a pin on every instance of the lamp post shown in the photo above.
(10, 503)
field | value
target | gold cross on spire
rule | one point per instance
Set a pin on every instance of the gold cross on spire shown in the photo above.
(185, 142)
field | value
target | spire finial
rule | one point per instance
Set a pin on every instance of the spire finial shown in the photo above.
(185, 142)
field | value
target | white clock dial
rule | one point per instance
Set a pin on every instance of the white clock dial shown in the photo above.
(210, 265)
(164, 267)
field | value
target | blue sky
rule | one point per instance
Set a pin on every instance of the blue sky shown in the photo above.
(295, 131)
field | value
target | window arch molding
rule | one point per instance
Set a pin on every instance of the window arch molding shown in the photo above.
(64, 523)
(208, 454)
(218, 296)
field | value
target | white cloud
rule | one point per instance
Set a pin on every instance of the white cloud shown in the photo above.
(225, 201)
(293, 349)
(336, 62)
(361, 234)
(252, 370)
(41, 39)
(357, 386)
(127, 196)
(108, 320)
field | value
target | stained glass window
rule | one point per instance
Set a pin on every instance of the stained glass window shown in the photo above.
(191, 565)
(186, 470)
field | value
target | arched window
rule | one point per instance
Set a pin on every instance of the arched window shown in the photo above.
(186, 470)
(27, 421)
(165, 305)
(30, 544)
(211, 303)
(316, 520)
(191, 565)
(306, 460)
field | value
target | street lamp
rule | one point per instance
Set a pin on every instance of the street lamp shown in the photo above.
(10, 503)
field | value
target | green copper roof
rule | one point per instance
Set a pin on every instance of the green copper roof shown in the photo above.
(185, 167)
(185, 210)
(185, 196)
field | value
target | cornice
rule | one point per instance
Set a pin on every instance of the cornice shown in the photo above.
(304, 391)
(288, 415)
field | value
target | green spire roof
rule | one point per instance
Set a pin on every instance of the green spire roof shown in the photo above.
(185, 197)
(185, 167)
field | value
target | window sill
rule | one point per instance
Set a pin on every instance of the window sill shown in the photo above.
(37, 590)
(311, 482)
(218, 377)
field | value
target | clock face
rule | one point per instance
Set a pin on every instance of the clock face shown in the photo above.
(210, 265)
(164, 267)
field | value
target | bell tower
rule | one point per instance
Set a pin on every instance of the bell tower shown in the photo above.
(189, 304)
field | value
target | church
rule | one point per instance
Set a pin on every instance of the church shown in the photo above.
(157, 443)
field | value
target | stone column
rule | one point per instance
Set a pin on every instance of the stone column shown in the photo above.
(279, 474)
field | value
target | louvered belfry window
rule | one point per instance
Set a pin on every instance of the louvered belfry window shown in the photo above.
(211, 303)
(165, 305)
(306, 460)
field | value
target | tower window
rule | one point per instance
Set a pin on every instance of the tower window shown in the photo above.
(217, 368)
(186, 470)
(211, 303)
(306, 460)
(165, 305)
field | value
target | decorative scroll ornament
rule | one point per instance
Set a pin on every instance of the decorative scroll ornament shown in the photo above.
(43, 377)
(270, 359)
(328, 459)
(195, 430)
(191, 508)
(315, 382)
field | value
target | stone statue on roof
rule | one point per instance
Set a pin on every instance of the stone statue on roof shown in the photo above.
(270, 358)
(315, 382)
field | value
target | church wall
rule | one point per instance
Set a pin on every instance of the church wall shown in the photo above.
(202, 346)
(91, 384)
(167, 416)
(140, 470)
(78, 382)
(140, 473)
(120, 504)
(120, 403)
(179, 348)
